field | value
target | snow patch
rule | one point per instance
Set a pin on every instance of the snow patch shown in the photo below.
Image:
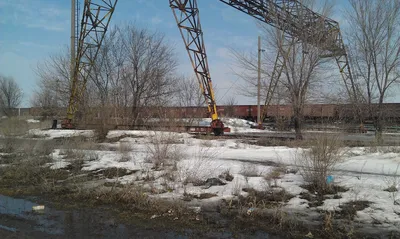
(32, 121)
(59, 133)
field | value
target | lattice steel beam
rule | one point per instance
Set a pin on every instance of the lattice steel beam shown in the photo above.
(187, 17)
(279, 64)
(295, 19)
(94, 23)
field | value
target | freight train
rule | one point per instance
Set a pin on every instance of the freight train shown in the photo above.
(312, 112)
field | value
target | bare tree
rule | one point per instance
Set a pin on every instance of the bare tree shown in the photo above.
(149, 68)
(297, 66)
(45, 100)
(375, 44)
(230, 104)
(189, 95)
(134, 68)
(109, 65)
(188, 92)
(246, 69)
(10, 95)
(53, 86)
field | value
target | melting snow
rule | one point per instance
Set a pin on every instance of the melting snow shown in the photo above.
(365, 174)
(60, 133)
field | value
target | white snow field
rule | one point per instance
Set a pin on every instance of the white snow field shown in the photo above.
(366, 175)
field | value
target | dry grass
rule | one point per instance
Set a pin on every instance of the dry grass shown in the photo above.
(317, 162)
(264, 199)
(198, 169)
(125, 150)
(162, 151)
(206, 143)
(28, 172)
(393, 185)
(272, 177)
(226, 175)
(349, 209)
(250, 170)
(237, 187)
(101, 132)
(44, 147)
(79, 148)
(11, 128)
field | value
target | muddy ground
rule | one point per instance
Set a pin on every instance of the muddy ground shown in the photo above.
(82, 205)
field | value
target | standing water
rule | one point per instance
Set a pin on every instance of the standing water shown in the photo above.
(17, 218)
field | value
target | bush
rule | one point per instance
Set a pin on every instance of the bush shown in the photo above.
(125, 149)
(273, 176)
(11, 128)
(162, 150)
(101, 132)
(44, 147)
(249, 170)
(198, 169)
(317, 162)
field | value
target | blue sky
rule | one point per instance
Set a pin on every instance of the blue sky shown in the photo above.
(32, 30)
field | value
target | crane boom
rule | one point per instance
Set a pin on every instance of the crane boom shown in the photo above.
(290, 16)
(295, 19)
(187, 17)
(95, 20)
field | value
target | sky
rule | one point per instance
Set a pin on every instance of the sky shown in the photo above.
(33, 30)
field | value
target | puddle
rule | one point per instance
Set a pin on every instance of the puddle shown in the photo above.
(8, 228)
(16, 216)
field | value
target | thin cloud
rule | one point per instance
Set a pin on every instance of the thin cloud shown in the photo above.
(35, 45)
(35, 14)
(156, 20)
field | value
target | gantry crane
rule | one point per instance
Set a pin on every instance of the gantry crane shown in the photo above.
(95, 20)
(290, 16)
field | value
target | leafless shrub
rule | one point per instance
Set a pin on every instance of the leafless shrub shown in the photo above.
(317, 162)
(162, 150)
(226, 175)
(72, 149)
(9, 145)
(206, 143)
(44, 147)
(272, 177)
(197, 169)
(264, 199)
(168, 180)
(393, 184)
(31, 171)
(101, 132)
(79, 143)
(92, 156)
(125, 150)
(11, 128)
(237, 187)
(249, 170)
(376, 147)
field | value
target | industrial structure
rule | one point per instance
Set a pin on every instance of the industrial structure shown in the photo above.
(290, 16)
(93, 27)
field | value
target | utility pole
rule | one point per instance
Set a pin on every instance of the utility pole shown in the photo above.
(259, 83)
(73, 18)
